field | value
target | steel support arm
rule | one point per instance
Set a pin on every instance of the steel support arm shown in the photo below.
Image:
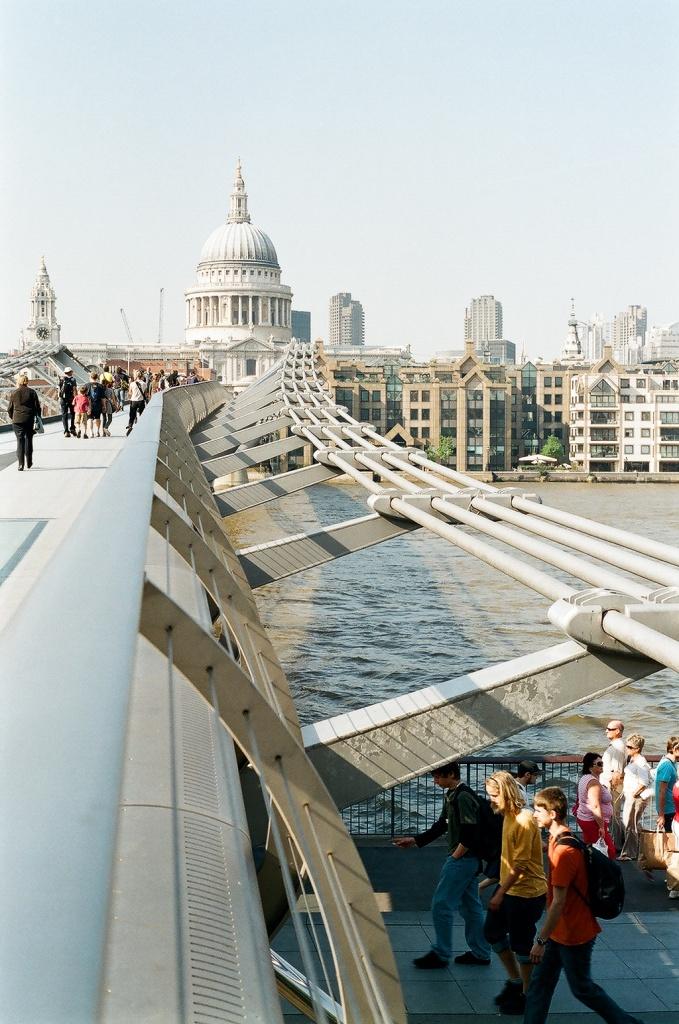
(251, 457)
(362, 752)
(227, 444)
(266, 563)
(245, 496)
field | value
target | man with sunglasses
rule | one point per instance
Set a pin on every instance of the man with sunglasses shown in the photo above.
(612, 776)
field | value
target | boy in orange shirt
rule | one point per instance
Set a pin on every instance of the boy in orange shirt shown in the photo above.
(566, 937)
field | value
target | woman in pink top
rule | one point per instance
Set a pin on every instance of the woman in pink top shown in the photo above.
(595, 804)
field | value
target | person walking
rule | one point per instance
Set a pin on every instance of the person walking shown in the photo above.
(519, 900)
(457, 888)
(22, 408)
(96, 392)
(68, 388)
(612, 776)
(636, 793)
(595, 804)
(566, 937)
(108, 406)
(665, 777)
(526, 775)
(138, 395)
(120, 386)
(82, 411)
(673, 858)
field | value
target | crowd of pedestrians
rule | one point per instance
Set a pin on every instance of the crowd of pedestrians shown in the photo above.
(87, 410)
(541, 918)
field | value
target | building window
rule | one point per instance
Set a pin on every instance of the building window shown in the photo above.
(548, 417)
(629, 433)
(629, 449)
(645, 416)
(414, 414)
(414, 432)
(558, 399)
(629, 415)
(645, 449)
(425, 396)
(548, 382)
(376, 396)
(624, 382)
(414, 396)
(558, 382)
(558, 417)
(548, 399)
(425, 432)
(376, 415)
(364, 414)
(641, 399)
(425, 414)
(250, 367)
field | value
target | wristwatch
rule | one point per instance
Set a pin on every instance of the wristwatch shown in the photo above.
(540, 942)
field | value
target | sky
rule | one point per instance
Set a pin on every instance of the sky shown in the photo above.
(414, 154)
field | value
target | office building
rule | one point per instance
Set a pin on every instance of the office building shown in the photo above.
(347, 322)
(301, 325)
(628, 334)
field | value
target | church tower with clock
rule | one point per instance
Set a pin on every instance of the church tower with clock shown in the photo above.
(43, 326)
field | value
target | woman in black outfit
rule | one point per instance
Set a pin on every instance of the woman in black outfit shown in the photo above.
(22, 408)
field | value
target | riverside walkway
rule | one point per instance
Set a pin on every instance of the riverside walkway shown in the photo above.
(636, 958)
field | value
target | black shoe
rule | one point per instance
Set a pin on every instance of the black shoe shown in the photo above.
(127, 431)
(21, 469)
(508, 992)
(515, 1004)
(430, 961)
(471, 960)
(67, 433)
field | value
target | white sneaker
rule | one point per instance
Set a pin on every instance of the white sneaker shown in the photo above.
(674, 894)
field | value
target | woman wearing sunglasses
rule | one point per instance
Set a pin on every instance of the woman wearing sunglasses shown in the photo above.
(595, 804)
(636, 793)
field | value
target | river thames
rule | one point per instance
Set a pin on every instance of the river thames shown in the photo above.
(415, 611)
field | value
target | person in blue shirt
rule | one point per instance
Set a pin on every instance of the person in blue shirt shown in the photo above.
(665, 778)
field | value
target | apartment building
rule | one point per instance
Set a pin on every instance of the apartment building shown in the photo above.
(625, 418)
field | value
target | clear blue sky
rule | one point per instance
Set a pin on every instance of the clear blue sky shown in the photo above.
(415, 154)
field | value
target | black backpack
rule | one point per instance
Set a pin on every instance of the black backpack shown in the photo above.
(67, 388)
(489, 831)
(605, 884)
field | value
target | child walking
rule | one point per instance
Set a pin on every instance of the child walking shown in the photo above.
(82, 410)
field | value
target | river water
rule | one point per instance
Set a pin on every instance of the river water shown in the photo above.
(415, 611)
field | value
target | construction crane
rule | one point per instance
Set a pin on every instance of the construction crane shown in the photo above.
(160, 317)
(129, 338)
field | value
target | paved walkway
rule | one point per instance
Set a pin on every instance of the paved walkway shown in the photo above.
(636, 958)
(38, 506)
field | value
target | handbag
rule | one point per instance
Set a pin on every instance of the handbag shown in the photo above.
(600, 845)
(38, 425)
(654, 849)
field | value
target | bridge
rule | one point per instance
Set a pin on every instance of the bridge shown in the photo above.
(164, 811)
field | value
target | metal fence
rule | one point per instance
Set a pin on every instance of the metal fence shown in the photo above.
(414, 806)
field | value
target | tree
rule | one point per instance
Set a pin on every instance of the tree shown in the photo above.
(553, 448)
(442, 451)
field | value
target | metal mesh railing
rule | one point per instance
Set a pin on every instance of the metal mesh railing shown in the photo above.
(413, 806)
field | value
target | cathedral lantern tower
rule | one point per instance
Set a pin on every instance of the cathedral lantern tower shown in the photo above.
(42, 327)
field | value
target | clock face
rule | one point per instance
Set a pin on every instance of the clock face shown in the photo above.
(43, 332)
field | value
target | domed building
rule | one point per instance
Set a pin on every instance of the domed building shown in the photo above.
(238, 313)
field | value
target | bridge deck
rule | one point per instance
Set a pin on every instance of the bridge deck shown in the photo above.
(635, 958)
(38, 507)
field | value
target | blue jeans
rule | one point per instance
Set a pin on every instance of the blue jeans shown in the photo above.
(576, 962)
(458, 889)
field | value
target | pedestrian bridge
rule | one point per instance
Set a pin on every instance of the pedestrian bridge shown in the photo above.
(163, 810)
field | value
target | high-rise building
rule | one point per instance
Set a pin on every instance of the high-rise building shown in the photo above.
(483, 321)
(628, 334)
(662, 342)
(347, 322)
(301, 325)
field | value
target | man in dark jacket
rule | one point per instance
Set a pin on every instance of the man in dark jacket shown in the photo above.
(457, 888)
(22, 408)
(68, 387)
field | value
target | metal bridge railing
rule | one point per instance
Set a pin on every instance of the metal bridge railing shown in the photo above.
(414, 806)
